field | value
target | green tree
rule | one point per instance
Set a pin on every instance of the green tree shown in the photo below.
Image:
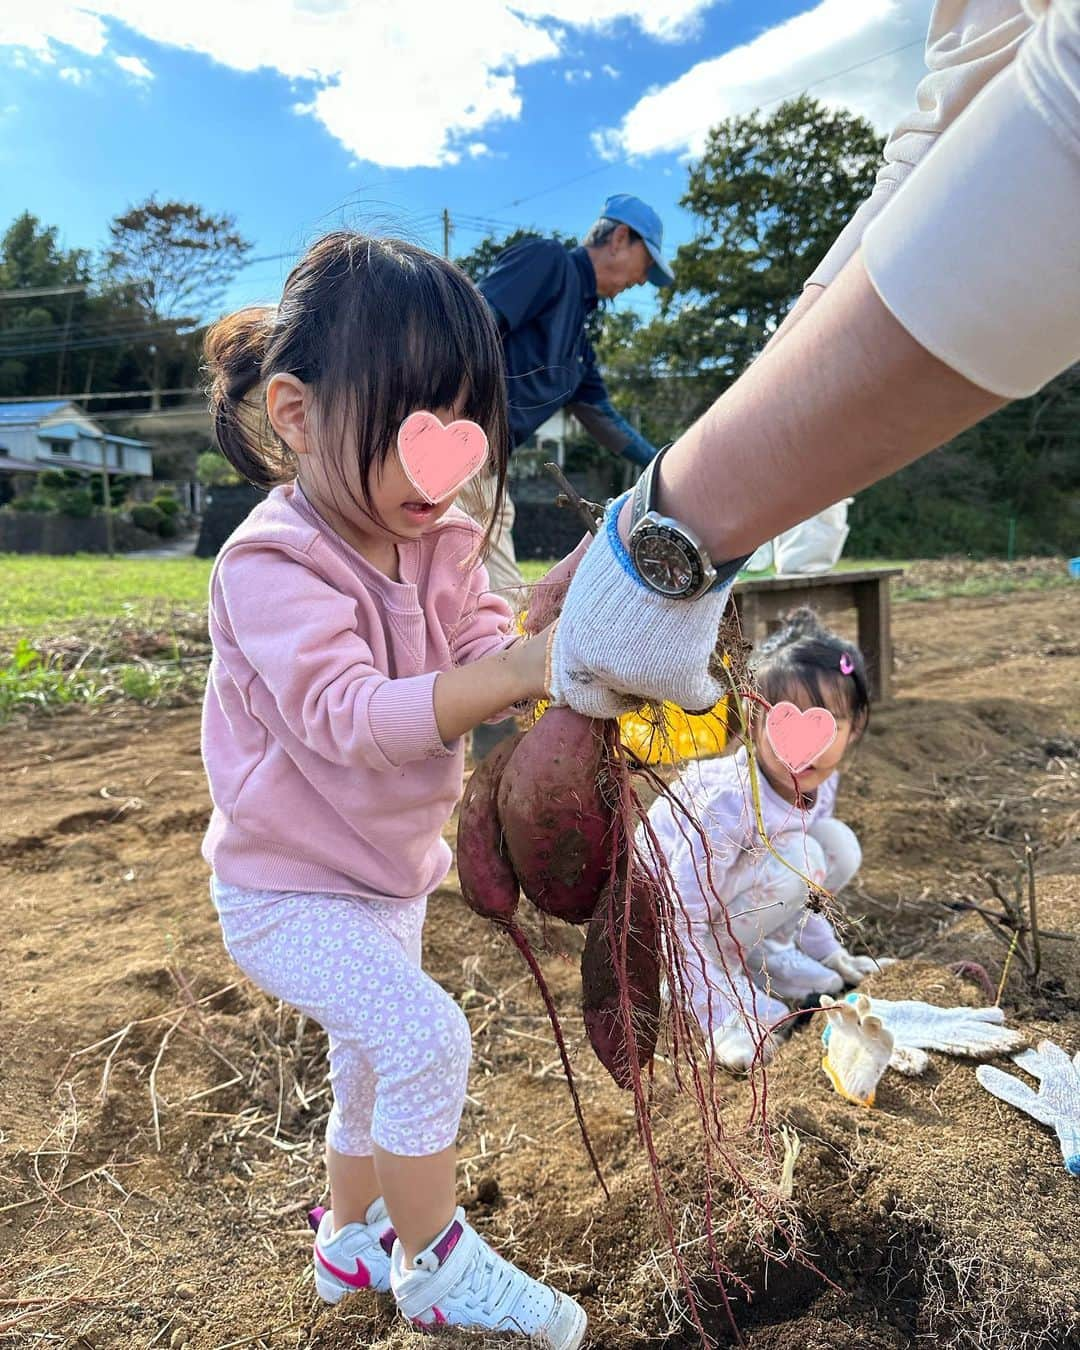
(770, 195)
(478, 262)
(172, 260)
(32, 331)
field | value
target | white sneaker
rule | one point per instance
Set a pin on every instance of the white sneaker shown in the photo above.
(460, 1282)
(791, 974)
(355, 1257)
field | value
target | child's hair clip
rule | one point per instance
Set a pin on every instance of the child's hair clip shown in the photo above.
(847, 665)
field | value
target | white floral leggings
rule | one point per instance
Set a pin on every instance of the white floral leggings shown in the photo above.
(399, 1044)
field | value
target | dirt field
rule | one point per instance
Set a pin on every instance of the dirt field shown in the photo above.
(161, 1122)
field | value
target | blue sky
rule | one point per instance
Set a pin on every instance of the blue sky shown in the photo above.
(297, 115)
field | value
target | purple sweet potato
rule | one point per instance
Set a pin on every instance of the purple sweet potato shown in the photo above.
(490, 888)
(556, 824)
(620, 977)
(488, 883)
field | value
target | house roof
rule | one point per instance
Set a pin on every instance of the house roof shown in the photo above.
(66, 431)
(10, 465)
(30, 410)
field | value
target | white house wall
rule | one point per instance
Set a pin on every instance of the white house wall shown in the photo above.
(31, 441)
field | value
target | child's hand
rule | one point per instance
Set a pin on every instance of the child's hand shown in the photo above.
(854, 969)
(534, 658)
(547, 596)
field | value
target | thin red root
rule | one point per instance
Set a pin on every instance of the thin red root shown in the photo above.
(521, 942)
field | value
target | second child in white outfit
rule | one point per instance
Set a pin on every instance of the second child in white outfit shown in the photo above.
(750, 938)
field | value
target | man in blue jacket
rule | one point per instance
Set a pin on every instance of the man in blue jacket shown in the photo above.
(542, 294)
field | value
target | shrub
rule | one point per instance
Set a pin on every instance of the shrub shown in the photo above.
(32, 502)
(166, 503)
(75, 502)
(214, 470)
(147, 517)
(168, 529)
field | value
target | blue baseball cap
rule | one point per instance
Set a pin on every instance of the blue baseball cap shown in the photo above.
(643, 219)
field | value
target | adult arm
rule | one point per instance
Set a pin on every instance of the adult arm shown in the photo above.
(963, 294)
(602, 420)
(967, 44)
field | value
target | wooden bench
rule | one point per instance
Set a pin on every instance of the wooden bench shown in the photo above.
(762, 602)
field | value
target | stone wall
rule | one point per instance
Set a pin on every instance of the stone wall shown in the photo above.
(541, 529)
(31, 532)
(226, 507)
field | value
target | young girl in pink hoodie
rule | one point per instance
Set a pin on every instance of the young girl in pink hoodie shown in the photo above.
(356, 641)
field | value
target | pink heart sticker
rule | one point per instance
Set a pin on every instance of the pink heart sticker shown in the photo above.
(798, 737)
(439, 460)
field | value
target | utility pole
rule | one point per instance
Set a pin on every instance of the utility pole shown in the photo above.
(61, 360)
(106, 498)
(446, 232)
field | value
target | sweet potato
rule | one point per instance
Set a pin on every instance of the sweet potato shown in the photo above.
(620, 977)
(488, 883)
(556, 823)
(490, 888)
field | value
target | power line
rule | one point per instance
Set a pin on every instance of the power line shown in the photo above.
(32, 292)
(82, 398)
(133, 336)
(765, 103)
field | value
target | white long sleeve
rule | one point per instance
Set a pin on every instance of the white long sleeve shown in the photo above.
(979, 256)
(968, 43)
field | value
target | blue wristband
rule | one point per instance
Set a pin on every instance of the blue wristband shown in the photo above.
(611, 525)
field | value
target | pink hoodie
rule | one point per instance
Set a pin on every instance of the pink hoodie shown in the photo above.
(326, 767)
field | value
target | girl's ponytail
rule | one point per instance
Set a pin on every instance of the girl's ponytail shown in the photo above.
(234, 352)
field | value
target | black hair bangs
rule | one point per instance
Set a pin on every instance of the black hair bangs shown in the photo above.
(407, 332)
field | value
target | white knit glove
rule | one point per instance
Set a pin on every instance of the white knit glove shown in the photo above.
(1057, 1103)
(619, 645)
(858, 1048)
(854, 969)
(918, 1027)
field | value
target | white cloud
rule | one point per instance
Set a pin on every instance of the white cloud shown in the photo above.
(477, 150)
(398, 84)
(139, 70)
(73, 74)
(828, 50)
(577, 76)
(665, 20)
(610, 72)
(45, 22)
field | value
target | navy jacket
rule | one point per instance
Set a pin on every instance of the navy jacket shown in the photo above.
(542, 294)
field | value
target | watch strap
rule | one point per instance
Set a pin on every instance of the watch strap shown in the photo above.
(644, 494)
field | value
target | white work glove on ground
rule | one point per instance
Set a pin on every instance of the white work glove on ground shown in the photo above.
(1057, 1103)
(854, 969)
(918, 1027)
(865, 1036)
(619, 645)
(857, 1048)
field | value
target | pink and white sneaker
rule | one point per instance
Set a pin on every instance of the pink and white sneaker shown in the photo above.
(354, 1257)
(459, 1281)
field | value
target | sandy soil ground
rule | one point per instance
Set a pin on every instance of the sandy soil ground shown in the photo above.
(161, 1121)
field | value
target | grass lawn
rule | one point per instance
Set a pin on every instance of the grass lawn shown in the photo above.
(92, 629)
(44, 594)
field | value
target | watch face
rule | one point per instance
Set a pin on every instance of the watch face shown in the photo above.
(665, 561)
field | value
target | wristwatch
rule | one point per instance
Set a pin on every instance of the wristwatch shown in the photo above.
(667, 556)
